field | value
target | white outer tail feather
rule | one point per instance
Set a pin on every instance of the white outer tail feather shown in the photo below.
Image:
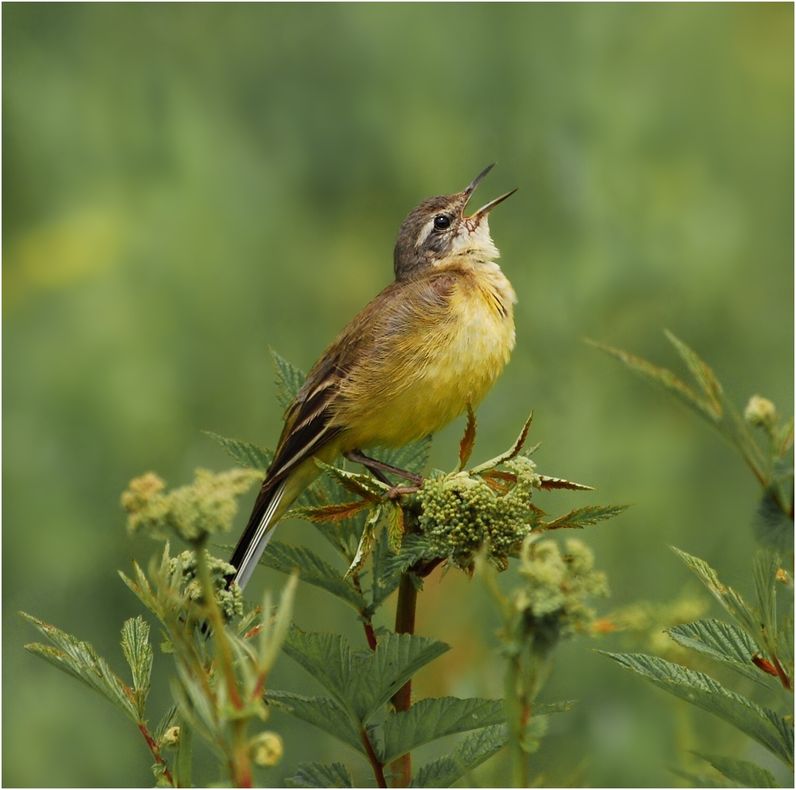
(260, 540)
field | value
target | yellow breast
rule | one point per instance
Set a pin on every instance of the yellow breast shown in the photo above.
(442, 366)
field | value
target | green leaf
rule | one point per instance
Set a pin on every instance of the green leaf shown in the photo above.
(412, 457)
(515, 450)
(245, 454)
(320, 775)
(762, 724)
(430, 719)
(361, 681)
(584, 517)
(469, 754)
(731, 601)
(395, 660)
(741, 772)
(138, 654)
(765, 577)
(166, 721)
(289, 379)
(80, 660)
(723, 642)
(321, 712)
(395, 526)
(388, 566)
(661, 376)
(366, 543)
(312, 570)
(702, 373)
(697, 780)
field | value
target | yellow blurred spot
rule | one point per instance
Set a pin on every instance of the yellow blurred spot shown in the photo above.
(58, 253)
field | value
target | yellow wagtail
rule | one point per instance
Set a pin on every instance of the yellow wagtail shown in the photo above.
(428, 346)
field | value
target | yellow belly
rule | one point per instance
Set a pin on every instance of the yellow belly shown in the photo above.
(438, 370)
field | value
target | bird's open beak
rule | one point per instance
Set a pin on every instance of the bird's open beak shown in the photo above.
(484, 210)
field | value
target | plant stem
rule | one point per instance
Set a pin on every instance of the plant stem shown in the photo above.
(184, 755)
(378, 768)
(155, 749)
(517, 711)
(217, 623)
(367, 623)
(404, 624)
(239, 757)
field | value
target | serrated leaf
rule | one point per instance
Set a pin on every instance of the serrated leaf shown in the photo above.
(764, 572)
(430, 719)
(413, 549)
(79, 659)
(741, 772)
(366, 543)
(762, 724)
(546, 482)
(321, 712)
(661, 376)
(721, 641)
(320, 775)
(289, 379)
(245, 454)
(395, 660)
(395, 526)
(584, 517)
(165, 722)
(468, 440)
(361, 681)
(312, 570)
(732, 602)
(388, 566)
(411, 457)
(330, 513)
(138, 654)
(513, 452)
(469, 754)
(702, 374)
(696, 780)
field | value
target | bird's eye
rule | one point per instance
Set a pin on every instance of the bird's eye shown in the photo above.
(442, 221)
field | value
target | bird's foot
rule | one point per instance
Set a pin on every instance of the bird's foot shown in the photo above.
(378, 468)
(396, 492)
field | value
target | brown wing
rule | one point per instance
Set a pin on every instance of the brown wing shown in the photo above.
(310, 419)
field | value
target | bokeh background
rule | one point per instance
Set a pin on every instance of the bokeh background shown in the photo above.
(185, 185)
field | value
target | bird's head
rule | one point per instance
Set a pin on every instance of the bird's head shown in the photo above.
(438, 229)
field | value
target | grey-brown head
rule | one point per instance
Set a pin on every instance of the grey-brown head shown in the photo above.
(438, 229)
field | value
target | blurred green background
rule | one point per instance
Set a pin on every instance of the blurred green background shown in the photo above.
(185, 185)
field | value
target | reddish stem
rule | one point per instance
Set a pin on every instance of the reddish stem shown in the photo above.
(378, 768)
(155, 749)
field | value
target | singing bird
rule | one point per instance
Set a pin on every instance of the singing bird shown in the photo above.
(432, 343)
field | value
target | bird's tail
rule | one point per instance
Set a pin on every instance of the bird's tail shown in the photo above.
(258, 532)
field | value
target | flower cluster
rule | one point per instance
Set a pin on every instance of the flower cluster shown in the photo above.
(556, 586)
(206, 506)
(229, 599)
(464, 511)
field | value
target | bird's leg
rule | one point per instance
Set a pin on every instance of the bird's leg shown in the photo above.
(377, 468)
